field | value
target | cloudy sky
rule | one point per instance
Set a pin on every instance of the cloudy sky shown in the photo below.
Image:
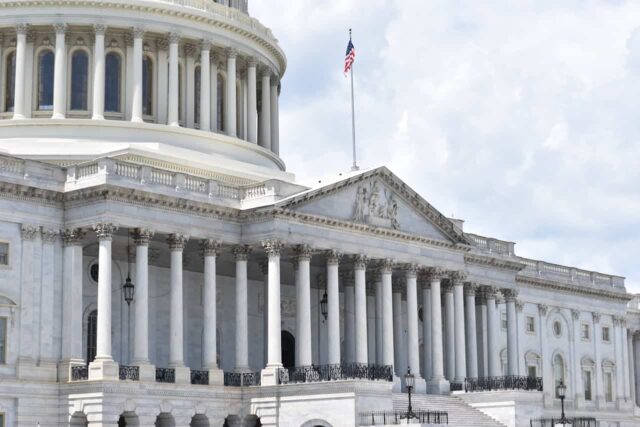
(522, 118)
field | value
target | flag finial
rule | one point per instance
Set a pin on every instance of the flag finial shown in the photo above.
(349, 33)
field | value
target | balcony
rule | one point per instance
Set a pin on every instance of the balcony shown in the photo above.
(342, 371)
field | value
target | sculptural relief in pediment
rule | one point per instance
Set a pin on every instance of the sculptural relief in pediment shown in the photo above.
(376, 206)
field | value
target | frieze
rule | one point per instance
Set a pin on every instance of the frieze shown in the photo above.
(373, 208)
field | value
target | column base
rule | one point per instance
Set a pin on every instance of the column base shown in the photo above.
(182, 375)
(216, 377)
(104, 369)
(269, 375)
(438, 386)
(64, 369)
(420, 386)
(147, 372)
(397, 384)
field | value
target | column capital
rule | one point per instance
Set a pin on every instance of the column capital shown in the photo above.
(272, 247)
(509, 294)
(137, 32)
(105, 230)
(347, 277)
(543, 309)
(29, 232)
(210, 247)
(49, 235)
(252, 62)
(302, 253)
(411, 271)
(162, 43)
(22, 29)
(189, 49)
(141, 236)
(490, 292)
(386, 266)
(99, 29)
(174, 38)
(397, 285)
(177, 242)
(60, 28)
(231, 53)
(360, 261)
(72, 236)
(266, 72)
(333, 257)
(471, 288)
(434, 273)
(596, 317)
(241, 252)
(618, 320)
(447, 286)
(458, 277)
(205, 45)
(575, 314)
(519, 306)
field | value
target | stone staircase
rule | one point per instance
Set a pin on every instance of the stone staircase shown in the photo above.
(460, 414)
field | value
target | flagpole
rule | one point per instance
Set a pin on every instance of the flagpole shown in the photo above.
(353, 119)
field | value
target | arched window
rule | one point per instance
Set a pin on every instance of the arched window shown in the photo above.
(558, 372)
(92, 331)
(46, 61)
(112, 82)
(79, 80)
(196, 100)
(147, 86)
(10, 82)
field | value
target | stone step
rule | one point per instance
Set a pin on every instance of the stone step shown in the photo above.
(460, 413)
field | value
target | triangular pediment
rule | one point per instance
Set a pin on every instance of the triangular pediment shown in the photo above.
(376, 198)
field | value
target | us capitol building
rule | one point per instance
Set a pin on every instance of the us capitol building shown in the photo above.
(160, 267)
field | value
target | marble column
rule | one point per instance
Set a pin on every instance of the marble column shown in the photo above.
(437, 383)
(631, 373)
(377, 279)
(252, 99)
(162, 107)
(512, 331)
(460, 344)
(574, 358)
(265, 113)
(597, 341)
(636, 365)
(302, 267)
(470, 329)
(60, 74)
(275, 117)
(189, 51)
(449, 331)
(618, 348)
(141, 237)
(210, 249)
(386, 267)
(98, 72)
(136, 100)
(174, 82)
(205, 88)
(274, 358)
(427, 349)
(49, 247)
(349, 317)
(214, 94)
(264, 269)
(230, 125)
(413, 344)
(625, 361)
(19, 104)
(177, 243)
(241, 253)
(72, 300)
(399, 345)
(333, 307)
(103, 366)
(28, 329)
(360, 266)
(493, 331)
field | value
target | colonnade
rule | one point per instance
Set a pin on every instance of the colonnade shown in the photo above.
(243, 116)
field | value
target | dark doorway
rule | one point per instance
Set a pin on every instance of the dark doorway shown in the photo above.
(92, 328)
(288, 343)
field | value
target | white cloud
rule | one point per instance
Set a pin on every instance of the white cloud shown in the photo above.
(521, 118)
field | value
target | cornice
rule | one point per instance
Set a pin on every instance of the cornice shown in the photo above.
(26, 193)
(573, 289)
(166, 9)
(471, 258)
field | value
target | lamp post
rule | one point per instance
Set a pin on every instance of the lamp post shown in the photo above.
(561, 391)
(409, 382)
(128, 289)
(323, 306)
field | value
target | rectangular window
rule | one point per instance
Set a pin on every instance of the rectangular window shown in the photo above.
(503, 318)
(4, 256)
(586, 380)
(585, 333)
(605, 334)
(532, 371)
(2, 420)
(531, 324)
(608, 386)
(3, 342)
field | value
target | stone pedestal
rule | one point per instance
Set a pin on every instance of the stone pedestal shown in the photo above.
(64, 369)
(216, 376)
(269, 376)
(147, 372)
(103, 370)
(438, 386)
(182, 375)
(420, 386)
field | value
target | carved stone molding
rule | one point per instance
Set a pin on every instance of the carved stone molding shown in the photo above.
(333, 257)
(457, 277)
(241, 252)
(141, 236)
(73, 236)
(231, 53)
(446, 286)
(575, 314)
(490, 292)
(272, 247)
(435, 273)
(360, 261)
(60, 28)
(29, 232)
(137, 32)
(302, 253)
(411, 271)
(252, 62)
(386, 266)
(596, 317)
(22, 29)
(177, 242)
(49, 236)
(347, 277)
(189, 49)
(397, 285)
(543, 309)
(162, 43)
(104, 231)
(519, 306)
(471, 288)
(210, 247)
(371, 209)
(99, 29)
(509, 294)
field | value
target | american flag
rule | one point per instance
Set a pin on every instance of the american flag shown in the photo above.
(350, 57)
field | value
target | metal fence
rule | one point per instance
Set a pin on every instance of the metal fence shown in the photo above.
(508, 382)
(573, 422)
(240, 379)
(129, 372)
(341, 371)
(376, 418)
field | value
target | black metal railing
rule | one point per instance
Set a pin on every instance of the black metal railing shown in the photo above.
(573, 422)
(456, 386)
(79, 373)
(129, 372)
(377, 418)
(199, 377)
(165, 375)
(508, 382)
(342, 371)
(239, 379)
